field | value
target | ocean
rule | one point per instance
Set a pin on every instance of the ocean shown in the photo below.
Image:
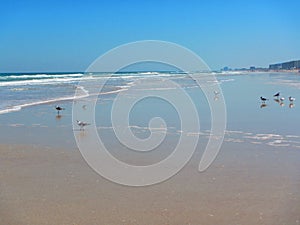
(19, 90)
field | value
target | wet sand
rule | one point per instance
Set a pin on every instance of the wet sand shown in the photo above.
(245, 185)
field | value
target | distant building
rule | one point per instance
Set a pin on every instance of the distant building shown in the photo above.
(291, 65)
(252, 68)
(277, 66)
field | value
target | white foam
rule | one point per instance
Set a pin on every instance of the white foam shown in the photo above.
(19, 107)
(38, 81)
(12, 109)
(226, 80)
(16, 125)
(278, 143)
(44, 81)
(292, 136)
(30, 76)
(232, 73)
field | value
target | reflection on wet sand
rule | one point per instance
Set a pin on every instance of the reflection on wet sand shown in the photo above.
(291, 105)
(263, 105)
(58, 117)
(277, 100)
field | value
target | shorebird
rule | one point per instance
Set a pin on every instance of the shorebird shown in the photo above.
(282, 99)
(58, 108)
(82, 124)
(263, 99)
(277, 94)
(292, 99)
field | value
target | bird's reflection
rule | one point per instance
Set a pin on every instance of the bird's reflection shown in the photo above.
(81, 134)
(216, 98)
(58, 117)
(279, 101)
(291, 105)
(263, 105)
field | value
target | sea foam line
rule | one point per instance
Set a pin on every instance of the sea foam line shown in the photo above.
(40, 76)
(84, 95)
(38, 81)
(19, 107)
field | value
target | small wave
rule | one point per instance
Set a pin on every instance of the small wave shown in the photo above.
(34, 82)
(19, 89)
(12, 109)
(278, 143)
(149, 73)
(19, 107)
(41, 81)
(227, 80)
(232, 73)
(275, 140)
(35, 76)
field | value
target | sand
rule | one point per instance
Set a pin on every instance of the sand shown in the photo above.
(46, 185)
(254, 180)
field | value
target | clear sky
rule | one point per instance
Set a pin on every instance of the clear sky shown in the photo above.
(69, 35)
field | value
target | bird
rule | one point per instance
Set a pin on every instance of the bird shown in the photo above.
(216, 92)
(282, 99)
(277, 94)
(58, 108)
(292, 99)
(82, 124)
(263, 99)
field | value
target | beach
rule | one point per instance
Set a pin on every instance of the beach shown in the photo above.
(54, 186)
(255, 178)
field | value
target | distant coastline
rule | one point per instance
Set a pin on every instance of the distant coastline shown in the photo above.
(283, 67)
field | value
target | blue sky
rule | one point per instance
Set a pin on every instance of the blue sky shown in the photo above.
(69, 35)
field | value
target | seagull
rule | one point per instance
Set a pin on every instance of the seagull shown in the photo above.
(282, 99)
(277, 94)
(58, 108)
(263, 99)
(82, 124)
(292, 99)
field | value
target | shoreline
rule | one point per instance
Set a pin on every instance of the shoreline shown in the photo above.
(16, 108)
